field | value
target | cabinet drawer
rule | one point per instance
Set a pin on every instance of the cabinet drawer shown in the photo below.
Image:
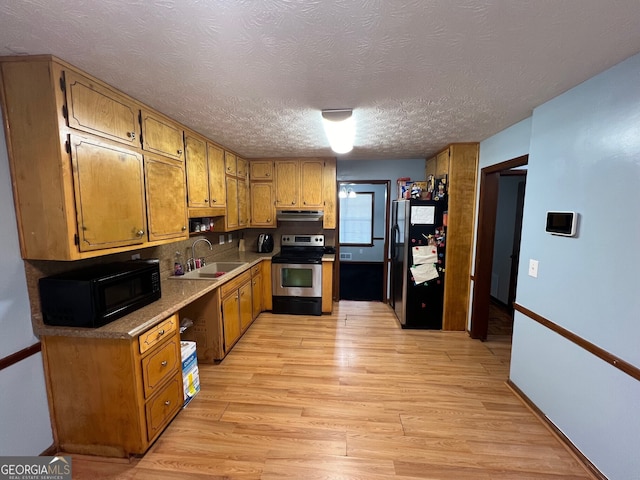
(233, 285)
(160, 365)
(158, 333)
(164, 406)
(255, 270)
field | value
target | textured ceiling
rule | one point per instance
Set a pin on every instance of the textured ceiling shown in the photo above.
(253, 75)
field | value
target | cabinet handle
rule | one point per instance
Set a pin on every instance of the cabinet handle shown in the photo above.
(131, 135)
(293, 203)
(167, 402)
(140, 233)
(268, 220)
(268, 175)
(184, 228)
(163, 363)
(213, 200)
(179, 152)
(161, 332)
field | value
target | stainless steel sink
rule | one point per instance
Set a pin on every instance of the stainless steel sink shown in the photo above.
(212, 271)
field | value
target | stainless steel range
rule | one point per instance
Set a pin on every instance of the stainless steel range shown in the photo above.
(296, 274)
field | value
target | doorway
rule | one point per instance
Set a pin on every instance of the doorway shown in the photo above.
(486, 235)
(363, 223)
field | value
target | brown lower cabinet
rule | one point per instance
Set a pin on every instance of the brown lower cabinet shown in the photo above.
(113, 397)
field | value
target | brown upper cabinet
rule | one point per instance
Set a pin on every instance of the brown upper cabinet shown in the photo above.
(237, 187)
(81, 183)
(299, 183)
(161, 135)
(97, 109)
(206, 191)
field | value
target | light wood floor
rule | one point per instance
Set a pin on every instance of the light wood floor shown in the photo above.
(351, 396)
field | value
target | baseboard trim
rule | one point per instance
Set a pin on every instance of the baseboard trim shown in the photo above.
(50, 452)
(589, 467)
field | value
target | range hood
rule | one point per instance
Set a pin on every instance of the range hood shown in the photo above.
(299, 215)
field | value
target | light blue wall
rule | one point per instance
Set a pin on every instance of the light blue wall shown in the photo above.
(585, 156)
(25, 428)
(382, 170)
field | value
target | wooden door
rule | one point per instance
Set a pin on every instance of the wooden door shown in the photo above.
(96, 109)
(109, 194)
(161, 135)
(230, 163)
(231, 320)
(311, 176)
(329, 195)
(233, 215)
(241, 168)
(166, 198)
(197, 171)
(287, 173)
(217, 187)
(261, 170)
(262, 211)
(256, 295)
(243, 203)
(246, 308)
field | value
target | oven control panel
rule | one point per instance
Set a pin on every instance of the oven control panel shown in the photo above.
(302, 240)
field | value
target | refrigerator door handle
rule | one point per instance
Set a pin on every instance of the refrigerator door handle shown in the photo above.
(394, 235)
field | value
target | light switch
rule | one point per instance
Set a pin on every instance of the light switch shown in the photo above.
(221, 239)
(533, 268)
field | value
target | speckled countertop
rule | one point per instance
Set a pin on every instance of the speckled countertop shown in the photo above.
(176, 293)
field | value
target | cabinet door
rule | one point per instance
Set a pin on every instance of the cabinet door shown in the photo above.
(161, 135)
(329, 194)
(217, 187)
(262, 211)
(287, 183)
(442, 163)
(230, 163)
(241, 168)
(197, 171)
(246, 309)
(231, 320)
(96, 109)
(109, 194)
(256, 295)
(166, 198)
(243, 203)
(311, 173)
(261, 170)
(233, 216)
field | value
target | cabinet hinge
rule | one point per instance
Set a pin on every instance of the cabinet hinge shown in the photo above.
(76, 239)
(67, 146)
(65, 112)
(63, 83)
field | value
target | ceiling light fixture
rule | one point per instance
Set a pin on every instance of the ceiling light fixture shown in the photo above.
(340, 129)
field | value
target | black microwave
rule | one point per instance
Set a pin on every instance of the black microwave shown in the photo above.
(94, 296)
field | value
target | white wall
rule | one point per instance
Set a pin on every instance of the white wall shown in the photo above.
(24, 415)
(585, 156)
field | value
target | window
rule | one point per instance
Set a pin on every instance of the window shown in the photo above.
(356, 219)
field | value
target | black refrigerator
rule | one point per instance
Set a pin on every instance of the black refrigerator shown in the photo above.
(418, 241)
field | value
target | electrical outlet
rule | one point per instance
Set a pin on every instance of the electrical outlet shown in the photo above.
(533, 268)
(221, 239)
(230, 238)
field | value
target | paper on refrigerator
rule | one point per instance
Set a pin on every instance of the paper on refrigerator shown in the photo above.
(424, 254)
(424, 260)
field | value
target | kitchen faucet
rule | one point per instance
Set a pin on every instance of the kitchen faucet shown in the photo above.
(192, 261)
